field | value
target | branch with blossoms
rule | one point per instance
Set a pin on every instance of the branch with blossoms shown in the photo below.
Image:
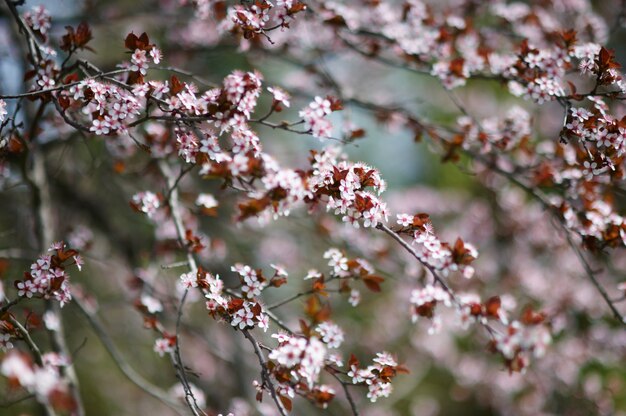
(170, 136)
(453, 142)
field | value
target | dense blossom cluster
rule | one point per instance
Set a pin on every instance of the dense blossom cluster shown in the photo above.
(47, 277)
(299, 362)
(308, 355)
(344, 186)
(242, 313)
(452, 44)
(585, 173)
(111, 107)
(497, 133)
(331, 334)
(518, 340)
(258, 17)
(434, 253)
(376, 376)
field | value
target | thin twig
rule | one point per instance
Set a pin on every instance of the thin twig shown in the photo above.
(592, 276)
(63, 86)
(290, 299)
(174, 204)
(121, 363)
(10, 403)
(178, 361)
(344, 385)
(411, 250)
(175, 265)
(11, 303)
(27, 338)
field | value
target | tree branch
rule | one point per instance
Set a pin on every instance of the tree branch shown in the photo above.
(121, 363)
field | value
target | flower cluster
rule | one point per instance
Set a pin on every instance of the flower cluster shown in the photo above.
(38, 18)
(314, 116)
(497, 133)
(442, 257)
(347, 269)
(188, 146)
(252, 281)
(213, 286)
(331, 334)
(146, 202)
(338, 261)
(434, 253)
(43, 380)
(47, 277)
(257, 18)
(298, 362)
(452, 74)
(285, 188)
(240, 313)
(516, 341)
(110, 107)
(246, 315)
(140, 48)
(282, 190)
(377, 376)
(520, 340)
(344, 186)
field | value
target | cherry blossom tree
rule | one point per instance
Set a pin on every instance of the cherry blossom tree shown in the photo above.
(189, 193)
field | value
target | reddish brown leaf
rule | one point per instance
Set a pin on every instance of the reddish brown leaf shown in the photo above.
(66, 254)
(305, 328)
(530, 317)
(335, 103)
(131, 41)
(492, 306)
(421, 219)
(357, 134)
(175, 85)
(353, 361)
(64, 102)
(278, 281)
(61, 400)
(373, 282)
(286, 401)
(319, 285)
